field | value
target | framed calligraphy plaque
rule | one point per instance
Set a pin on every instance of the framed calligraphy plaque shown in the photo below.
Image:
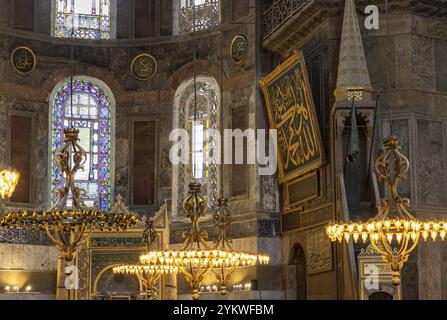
(144, 67)
(23, 60)
(239, 49)
(291, 111)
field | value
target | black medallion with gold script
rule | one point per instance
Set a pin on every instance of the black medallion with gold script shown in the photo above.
(144, 67)
(291, 111)
(239, 49)
(23, 60)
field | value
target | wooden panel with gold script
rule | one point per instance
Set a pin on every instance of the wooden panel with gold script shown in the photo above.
(291, 111)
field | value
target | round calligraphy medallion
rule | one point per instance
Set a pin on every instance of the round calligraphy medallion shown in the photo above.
(239, 49)
(144, 67)
(23, 60)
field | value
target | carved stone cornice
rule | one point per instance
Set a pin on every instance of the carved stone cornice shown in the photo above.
(289, 26)
(294, 26)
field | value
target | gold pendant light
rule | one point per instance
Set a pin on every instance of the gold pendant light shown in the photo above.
(394, 233)
(224, 272)
(149, 275)
(66, 226)
(197, 258)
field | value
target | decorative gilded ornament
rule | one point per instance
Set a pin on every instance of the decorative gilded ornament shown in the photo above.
(197, 258)
(239, 49)
(23, 60)
(64, 225)
(394, 232)
(144, 67)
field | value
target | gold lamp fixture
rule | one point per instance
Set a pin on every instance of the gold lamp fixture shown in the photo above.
(66, 226)
(149, 275)
(223, 272)
(394, 233)
(9, 178)
(197, 258)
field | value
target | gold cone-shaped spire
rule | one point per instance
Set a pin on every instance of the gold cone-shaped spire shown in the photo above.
(353, 77)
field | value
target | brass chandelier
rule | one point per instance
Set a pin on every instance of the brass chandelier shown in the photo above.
(67, 226)
(393, 233)
(197, 258)
(148, 275)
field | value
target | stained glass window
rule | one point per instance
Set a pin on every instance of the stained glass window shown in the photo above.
(197, 119)
(89, 19)
(92, 116)
(196, 15)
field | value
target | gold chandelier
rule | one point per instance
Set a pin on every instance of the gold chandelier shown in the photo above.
(223, 272)
(196, 258)
(148, 275)
(66, 226)
(394, 233)
(9, 178)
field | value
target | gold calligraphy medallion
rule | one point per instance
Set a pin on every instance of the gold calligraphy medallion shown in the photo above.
(144, 67)
(239, 49)
(23, 60)
(291, 111)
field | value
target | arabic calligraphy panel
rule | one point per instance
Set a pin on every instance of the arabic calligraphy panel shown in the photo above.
(291, 111)
(23, 60)
(239, 49)
(144, 67)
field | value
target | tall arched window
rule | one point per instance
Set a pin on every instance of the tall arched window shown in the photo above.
(92, 19)
(197, 118)
(197, 15)
(93, 115)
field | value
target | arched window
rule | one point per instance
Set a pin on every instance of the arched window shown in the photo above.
(202, 143)
(93, 115)
(92, 18)
(197, 15)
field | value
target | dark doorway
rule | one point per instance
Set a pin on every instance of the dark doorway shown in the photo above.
(297, 271)
(381, 296)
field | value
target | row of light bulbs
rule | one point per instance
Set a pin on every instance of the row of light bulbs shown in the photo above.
(215, 289)
(201, 258)
(394, 230)
(16, 289)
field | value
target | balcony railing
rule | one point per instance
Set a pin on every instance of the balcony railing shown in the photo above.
(199, 17)
(279, 13)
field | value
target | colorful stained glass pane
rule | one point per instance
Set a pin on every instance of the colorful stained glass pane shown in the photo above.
(88, 19)
(87, 114)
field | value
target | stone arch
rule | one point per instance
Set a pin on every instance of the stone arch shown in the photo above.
(107, 79)
(187, 71)
(297, 274)
(103, 272)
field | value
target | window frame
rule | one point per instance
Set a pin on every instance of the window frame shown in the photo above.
(112, 17)
(55, 128)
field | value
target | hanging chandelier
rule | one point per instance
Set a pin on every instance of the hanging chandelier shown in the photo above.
(393, 233)
(223, 272)
(197, 258)
(148, 275)
(64, 225)
(9, 178)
